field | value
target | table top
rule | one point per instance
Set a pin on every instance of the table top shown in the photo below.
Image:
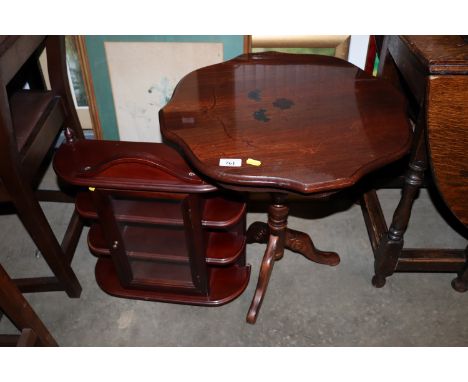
(440, 54)
(315, 123)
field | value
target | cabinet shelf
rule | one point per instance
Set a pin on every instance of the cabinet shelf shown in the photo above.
(151, 244)
(217, 212)
(225, 285)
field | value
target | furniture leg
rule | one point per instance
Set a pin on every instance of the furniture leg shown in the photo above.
(391, 244)
(278, 237)
(72, 236)
(277, 223)
(264, 277)
(20, 312)
(295, 241)
(258, 232)
(301, 242)
(460, 283)
(35, 222)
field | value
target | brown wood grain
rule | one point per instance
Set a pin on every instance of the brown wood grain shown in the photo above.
(316, 123)
(440, 54)
(447, 129)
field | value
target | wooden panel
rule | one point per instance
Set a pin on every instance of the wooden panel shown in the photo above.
(227, 284)
(431, 260)
(447, 125)
(374, 218)
(440, 54)
(14, 51)
(224, 248)
(160, 275)
(411, 69)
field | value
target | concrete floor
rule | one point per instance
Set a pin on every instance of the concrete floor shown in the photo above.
(306, 304)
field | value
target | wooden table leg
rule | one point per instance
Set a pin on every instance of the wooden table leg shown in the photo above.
(391, 245)
(276, 231)
(302, 243)
(279, 237)
(460, 283)
(295, 241)
(264, 277)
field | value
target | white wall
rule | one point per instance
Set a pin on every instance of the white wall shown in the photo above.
(358, 50)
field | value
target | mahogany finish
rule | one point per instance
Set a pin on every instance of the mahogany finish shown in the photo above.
(433, 70)
(316, 123)
(30, 121)
(159, 231)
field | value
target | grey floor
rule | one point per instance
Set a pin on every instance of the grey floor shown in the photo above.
(306, 304)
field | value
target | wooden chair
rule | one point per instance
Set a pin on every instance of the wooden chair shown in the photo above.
(30, 121)
(160, 232)
(17, 308)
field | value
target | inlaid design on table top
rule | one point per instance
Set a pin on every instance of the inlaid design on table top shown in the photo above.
(314, 122)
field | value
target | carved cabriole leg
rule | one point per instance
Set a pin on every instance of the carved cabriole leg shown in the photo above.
(277, 223)
(258, 232)
(279, 237)
(460, 283)
(263, 278)
(301, 242)
(295, 241)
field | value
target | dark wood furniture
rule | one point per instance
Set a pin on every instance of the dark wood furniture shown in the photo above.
(30, 121)
(159, 231)
(433, 73)
(317, 124)
(17, 308)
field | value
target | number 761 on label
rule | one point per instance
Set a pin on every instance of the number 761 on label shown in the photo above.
(225, 162)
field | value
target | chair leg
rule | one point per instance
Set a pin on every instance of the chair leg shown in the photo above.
(72, 236)
(17, 308)
(35, 222)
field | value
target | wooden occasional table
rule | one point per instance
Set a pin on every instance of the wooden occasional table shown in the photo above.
(317, 124)
(433, 71)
